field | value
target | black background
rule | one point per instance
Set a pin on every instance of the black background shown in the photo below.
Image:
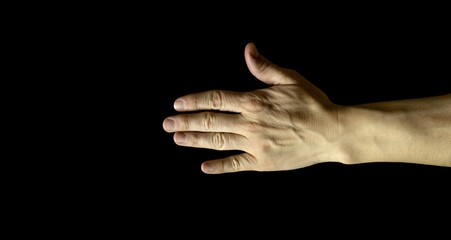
(354, 60)
(119, 69)
(143, 63)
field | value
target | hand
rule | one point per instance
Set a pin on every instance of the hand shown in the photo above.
(289, 125)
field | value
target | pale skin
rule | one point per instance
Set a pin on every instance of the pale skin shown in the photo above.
(292, 124)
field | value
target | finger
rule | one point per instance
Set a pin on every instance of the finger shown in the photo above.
(203, 122)
(263, 69)
(240, 162)
(211, 100)
(216, 141)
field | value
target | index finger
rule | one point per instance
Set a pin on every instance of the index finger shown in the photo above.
(220, 100)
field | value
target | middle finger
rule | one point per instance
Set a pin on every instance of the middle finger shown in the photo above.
(203, 122)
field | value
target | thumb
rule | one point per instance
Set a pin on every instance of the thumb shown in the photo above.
(263, 69)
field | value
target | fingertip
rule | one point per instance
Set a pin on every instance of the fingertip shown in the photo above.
(179, 137)
(207, 167)
(169, 125)
(179, 105)
(252, 50)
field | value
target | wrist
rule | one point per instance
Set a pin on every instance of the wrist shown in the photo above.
(371, 135)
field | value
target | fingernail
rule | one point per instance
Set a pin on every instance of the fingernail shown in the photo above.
(179, 104)
(254, 54)
(180, 137)
(169, 124)
(207, 167)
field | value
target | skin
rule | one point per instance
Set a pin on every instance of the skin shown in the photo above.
(292, 124)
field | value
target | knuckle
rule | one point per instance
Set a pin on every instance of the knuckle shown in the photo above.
(235, 163)
(218, 141)
(253, 126)
(216, 100)
(254, 103)
(208, 121)
(266, 147)
(264, 66)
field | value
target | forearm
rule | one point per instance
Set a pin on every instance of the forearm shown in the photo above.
(411, 131)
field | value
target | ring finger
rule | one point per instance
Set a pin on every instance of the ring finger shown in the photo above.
(216, 141)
